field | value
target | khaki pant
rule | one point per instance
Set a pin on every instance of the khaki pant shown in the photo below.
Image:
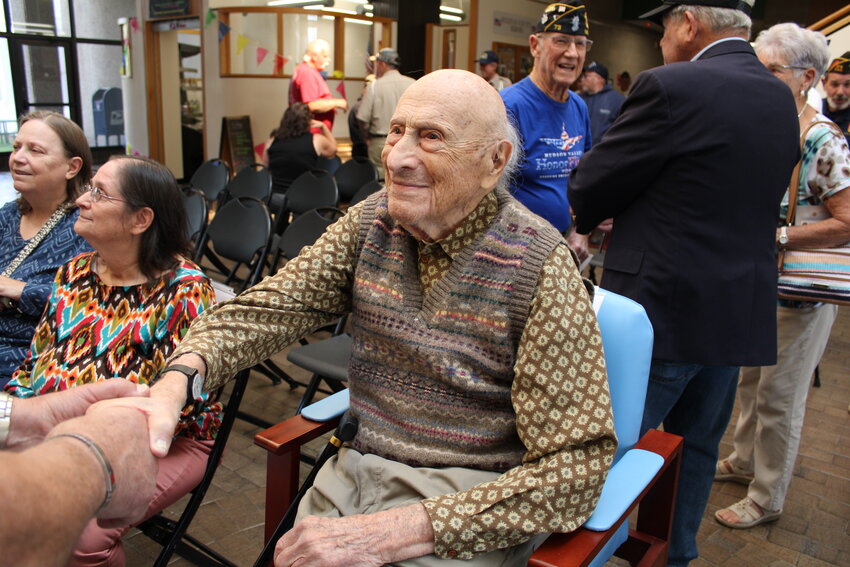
(351, 483)
(773, 403)
(376, 146)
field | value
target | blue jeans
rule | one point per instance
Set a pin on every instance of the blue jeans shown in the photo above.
(694, 401)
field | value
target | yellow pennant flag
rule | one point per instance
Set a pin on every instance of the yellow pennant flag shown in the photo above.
(241, 42)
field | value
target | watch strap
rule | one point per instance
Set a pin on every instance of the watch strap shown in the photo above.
(5, 417)
(191, 375)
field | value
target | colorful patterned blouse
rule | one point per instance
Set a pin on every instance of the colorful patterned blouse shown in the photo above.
(91, 331)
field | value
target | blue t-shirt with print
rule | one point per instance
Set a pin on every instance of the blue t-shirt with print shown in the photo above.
(554, 137)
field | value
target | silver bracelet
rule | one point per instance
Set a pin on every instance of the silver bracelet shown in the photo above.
(108, 475)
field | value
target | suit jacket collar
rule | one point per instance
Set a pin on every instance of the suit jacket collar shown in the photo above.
(727, 47)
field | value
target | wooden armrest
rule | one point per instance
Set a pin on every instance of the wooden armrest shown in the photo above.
(292, 433)
(578, 548)
(283, 443)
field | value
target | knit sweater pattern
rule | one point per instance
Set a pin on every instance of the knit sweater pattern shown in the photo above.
(445, 397)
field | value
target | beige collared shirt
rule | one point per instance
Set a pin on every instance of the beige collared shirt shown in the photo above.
(380, 99)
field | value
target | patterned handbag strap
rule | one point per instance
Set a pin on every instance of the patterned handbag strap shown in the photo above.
(51, 223)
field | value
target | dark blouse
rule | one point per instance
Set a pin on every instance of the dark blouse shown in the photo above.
(289, 158)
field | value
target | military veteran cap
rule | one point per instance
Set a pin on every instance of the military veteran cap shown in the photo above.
(657, 14)
(488, 57)
(840, 65)
(564, 17)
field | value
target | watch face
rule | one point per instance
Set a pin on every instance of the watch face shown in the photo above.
(197, 386)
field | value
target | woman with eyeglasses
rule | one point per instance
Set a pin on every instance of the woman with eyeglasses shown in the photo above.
(119, 312)
(773, 398)
(50, 163)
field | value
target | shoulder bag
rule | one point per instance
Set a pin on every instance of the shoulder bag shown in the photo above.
(812, 274)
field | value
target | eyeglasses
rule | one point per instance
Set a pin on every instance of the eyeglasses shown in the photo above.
(97, 194)
(563, 42)
(776, 69)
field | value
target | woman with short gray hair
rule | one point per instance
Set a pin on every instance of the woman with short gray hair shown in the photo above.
(773, 398)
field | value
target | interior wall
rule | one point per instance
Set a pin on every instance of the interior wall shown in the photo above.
(134, 91)
(169, 76)
(461, 47)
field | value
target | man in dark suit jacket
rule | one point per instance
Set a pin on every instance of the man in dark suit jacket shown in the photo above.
(693, 172)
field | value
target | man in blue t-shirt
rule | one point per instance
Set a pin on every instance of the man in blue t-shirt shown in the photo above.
(552, 121)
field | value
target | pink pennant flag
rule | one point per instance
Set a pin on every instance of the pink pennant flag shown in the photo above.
(261, 54)
(134, 24)
(279, 62)
(258, 149)
(340, 88)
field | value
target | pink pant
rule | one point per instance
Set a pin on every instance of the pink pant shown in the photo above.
(179, 472)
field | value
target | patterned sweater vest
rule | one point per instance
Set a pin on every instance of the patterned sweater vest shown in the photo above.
(430, 377)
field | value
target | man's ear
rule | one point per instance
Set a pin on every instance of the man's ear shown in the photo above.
(496, 162)
(533, 44)
(141, 220)
(691, 28)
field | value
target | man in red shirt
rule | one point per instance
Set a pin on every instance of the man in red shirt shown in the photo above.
(309, 86)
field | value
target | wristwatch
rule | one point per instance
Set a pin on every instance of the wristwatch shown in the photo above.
(783, 236)
(5, 417)
(195, 382)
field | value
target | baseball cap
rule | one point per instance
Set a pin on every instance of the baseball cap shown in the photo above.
(488, 57)
(564, 17)
(657, 14)
(388, 56)
(597, 68)
(840, 65)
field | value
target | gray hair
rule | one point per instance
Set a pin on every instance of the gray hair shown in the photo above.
(511, 134)
(800, 47)
(717, 20)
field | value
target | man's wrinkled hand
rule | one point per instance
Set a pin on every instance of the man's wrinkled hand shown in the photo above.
(329, 542)
(579, 244)
(35, 417)
(357, 541)
(162, 418)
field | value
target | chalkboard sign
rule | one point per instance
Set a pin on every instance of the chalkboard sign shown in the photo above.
(169, 8)
(237, 143)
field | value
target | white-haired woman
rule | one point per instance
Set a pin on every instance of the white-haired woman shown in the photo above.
(773, 398)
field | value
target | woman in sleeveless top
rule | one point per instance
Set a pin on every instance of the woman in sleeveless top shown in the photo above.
(295, 145)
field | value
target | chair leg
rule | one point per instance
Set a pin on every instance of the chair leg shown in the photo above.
(817, 377)
(307, 397)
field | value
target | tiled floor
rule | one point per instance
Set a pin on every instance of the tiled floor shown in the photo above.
(813, 531)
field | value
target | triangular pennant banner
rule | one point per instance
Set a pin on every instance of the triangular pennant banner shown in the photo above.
(261, 54)
(241, 42)
(340, 88)
(209, 18)
(259, 148)
(223, 30)
(279, 62)
(134, 24)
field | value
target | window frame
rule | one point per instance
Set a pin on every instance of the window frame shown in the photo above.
(339, 37)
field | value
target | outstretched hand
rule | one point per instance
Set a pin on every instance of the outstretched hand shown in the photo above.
(35, 417)
(162, 408)
(121, 434)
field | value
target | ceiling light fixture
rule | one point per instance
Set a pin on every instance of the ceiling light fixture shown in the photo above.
(301, 3)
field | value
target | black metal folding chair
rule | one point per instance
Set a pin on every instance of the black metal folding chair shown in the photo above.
(211, 178)
(171, 534)
(354, 174)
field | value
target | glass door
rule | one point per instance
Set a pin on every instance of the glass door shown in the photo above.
(41, 77)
